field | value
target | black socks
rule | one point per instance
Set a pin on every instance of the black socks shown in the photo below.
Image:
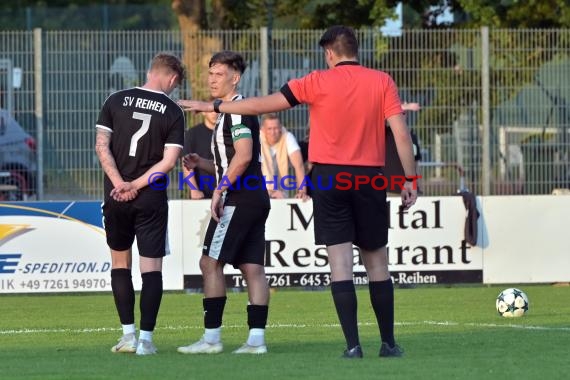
(124, 294)
(213, 311)
(344, 297)
(151, 296)
(257, 316)
(382, 299)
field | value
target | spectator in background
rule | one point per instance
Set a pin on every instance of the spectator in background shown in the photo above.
(198, 139)
(279, 149)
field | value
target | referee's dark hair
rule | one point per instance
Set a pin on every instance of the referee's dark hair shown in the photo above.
(341, 39)
(230, 58)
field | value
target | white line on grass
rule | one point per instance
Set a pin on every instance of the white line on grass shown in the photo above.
(491, 325)
(292, 326)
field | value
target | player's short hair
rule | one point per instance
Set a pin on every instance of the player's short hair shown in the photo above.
(341, 39)
(230, 58)
(169, 62)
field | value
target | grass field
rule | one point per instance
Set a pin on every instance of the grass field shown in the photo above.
(447, 333)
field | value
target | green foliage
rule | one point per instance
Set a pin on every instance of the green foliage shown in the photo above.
(306, 14)
(345, 12)
(239, 14)
(84, 14)
(441, 63)
(515, 13)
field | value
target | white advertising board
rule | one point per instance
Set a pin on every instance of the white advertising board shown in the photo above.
(426, 245)
(524, 239)
(61, 247)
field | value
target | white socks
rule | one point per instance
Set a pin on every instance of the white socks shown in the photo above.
(212, 336)
(256, 337)
(129, 329)
(145, 335)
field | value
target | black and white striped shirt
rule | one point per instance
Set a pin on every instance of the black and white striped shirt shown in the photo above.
(230, 128)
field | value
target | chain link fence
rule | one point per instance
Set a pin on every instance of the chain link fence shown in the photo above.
(495, 107)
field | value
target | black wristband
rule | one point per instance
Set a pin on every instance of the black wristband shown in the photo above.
(217, 103)
(410, 179)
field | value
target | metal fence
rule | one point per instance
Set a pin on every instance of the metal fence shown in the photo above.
(494, 102)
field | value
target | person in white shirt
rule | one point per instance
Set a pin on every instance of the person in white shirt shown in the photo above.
(280, 149)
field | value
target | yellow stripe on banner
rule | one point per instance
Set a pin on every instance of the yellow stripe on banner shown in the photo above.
(7, 230)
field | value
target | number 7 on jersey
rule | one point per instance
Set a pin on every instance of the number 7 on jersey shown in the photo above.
(145, 118)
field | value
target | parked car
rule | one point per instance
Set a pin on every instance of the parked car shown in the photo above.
(17, 158)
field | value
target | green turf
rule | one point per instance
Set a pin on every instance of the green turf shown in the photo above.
(448, 333)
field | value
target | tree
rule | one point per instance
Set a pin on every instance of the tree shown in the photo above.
(197, 17)
(85, 14)
(191, 18)
(514, 13)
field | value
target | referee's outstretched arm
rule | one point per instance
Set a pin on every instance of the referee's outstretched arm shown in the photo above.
(250, 106)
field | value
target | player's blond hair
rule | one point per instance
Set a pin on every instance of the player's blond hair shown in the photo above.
(169, 62)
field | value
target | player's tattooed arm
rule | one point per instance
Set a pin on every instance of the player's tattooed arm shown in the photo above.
(103, 149)
(121, 192)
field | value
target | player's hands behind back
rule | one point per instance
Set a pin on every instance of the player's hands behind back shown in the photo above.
(124, 192)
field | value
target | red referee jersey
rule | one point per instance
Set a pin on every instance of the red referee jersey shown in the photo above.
(348, 106)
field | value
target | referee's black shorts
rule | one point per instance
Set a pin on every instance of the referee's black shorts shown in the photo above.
(346, 215)
(145, 217)
(239, 237)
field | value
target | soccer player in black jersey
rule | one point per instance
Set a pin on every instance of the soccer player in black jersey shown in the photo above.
(140, 131)
(240, 206)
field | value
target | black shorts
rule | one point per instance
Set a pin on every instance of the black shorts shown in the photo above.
(146, 217)
(343, 214)
(239, 238)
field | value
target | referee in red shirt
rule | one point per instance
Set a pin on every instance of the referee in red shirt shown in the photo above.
(348, 105)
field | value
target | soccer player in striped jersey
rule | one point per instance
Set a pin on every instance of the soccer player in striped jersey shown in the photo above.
(240, 206)
(348, 105)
